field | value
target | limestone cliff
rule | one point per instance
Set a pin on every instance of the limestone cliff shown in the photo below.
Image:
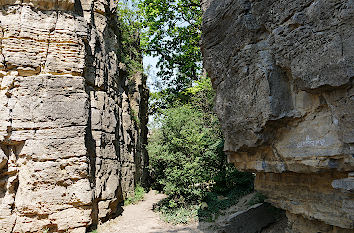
(72, 147)
(283, 72)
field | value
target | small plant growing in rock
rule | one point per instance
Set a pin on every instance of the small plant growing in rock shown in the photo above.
(134, 116)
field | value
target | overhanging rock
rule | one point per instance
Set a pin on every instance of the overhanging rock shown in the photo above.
(283, 72)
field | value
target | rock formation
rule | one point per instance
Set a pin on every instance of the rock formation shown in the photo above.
(283, 72)
(72, 123)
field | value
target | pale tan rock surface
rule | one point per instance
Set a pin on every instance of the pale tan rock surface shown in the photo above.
(71, 150)
(283, 72)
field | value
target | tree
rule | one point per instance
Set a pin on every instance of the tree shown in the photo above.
(172, 33)
(185, 148)
(187, 159)
(130, 25)
(186, 151)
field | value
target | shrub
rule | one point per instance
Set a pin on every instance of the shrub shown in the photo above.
(184, 157)
(187, 161)
(215, 204)
(178, 215)
(138, 196)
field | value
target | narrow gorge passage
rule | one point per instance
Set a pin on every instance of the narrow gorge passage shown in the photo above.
(141, 218)
(247, 120)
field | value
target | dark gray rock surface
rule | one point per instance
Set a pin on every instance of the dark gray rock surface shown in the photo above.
(283, 72)
(252, 220)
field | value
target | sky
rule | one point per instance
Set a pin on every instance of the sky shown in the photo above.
(151, 70)
(151, 82)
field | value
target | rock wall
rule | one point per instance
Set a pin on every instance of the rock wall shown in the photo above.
(72, 147)
(283, 72)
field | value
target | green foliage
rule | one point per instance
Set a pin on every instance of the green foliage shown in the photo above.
(200, 95)
(178, 215)
(257, 198)
(130, 26)
(138, 196)
(134, 116)
(172, 33)
(187, 159)
(185, 148)
(94, 231)
(185, 151)
(184, 154)
(230, 177)
(218, 201)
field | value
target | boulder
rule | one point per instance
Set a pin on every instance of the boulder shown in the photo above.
(252, 220)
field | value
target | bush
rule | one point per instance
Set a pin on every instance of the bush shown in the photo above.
(216, 202)
(138, 196)
(229, 178)
(178, 215)
(184, 157)
(187, 161)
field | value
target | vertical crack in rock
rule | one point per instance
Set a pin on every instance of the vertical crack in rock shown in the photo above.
(69, 145)
(91, 153)
(9, 182)
(3, 61)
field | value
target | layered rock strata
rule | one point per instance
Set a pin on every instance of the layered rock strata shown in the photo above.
(283, 72)
(71, 144)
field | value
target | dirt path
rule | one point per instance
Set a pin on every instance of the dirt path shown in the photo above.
(140, 218)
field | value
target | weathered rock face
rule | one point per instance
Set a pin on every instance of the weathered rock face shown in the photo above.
(283, 71)
(71, 144)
